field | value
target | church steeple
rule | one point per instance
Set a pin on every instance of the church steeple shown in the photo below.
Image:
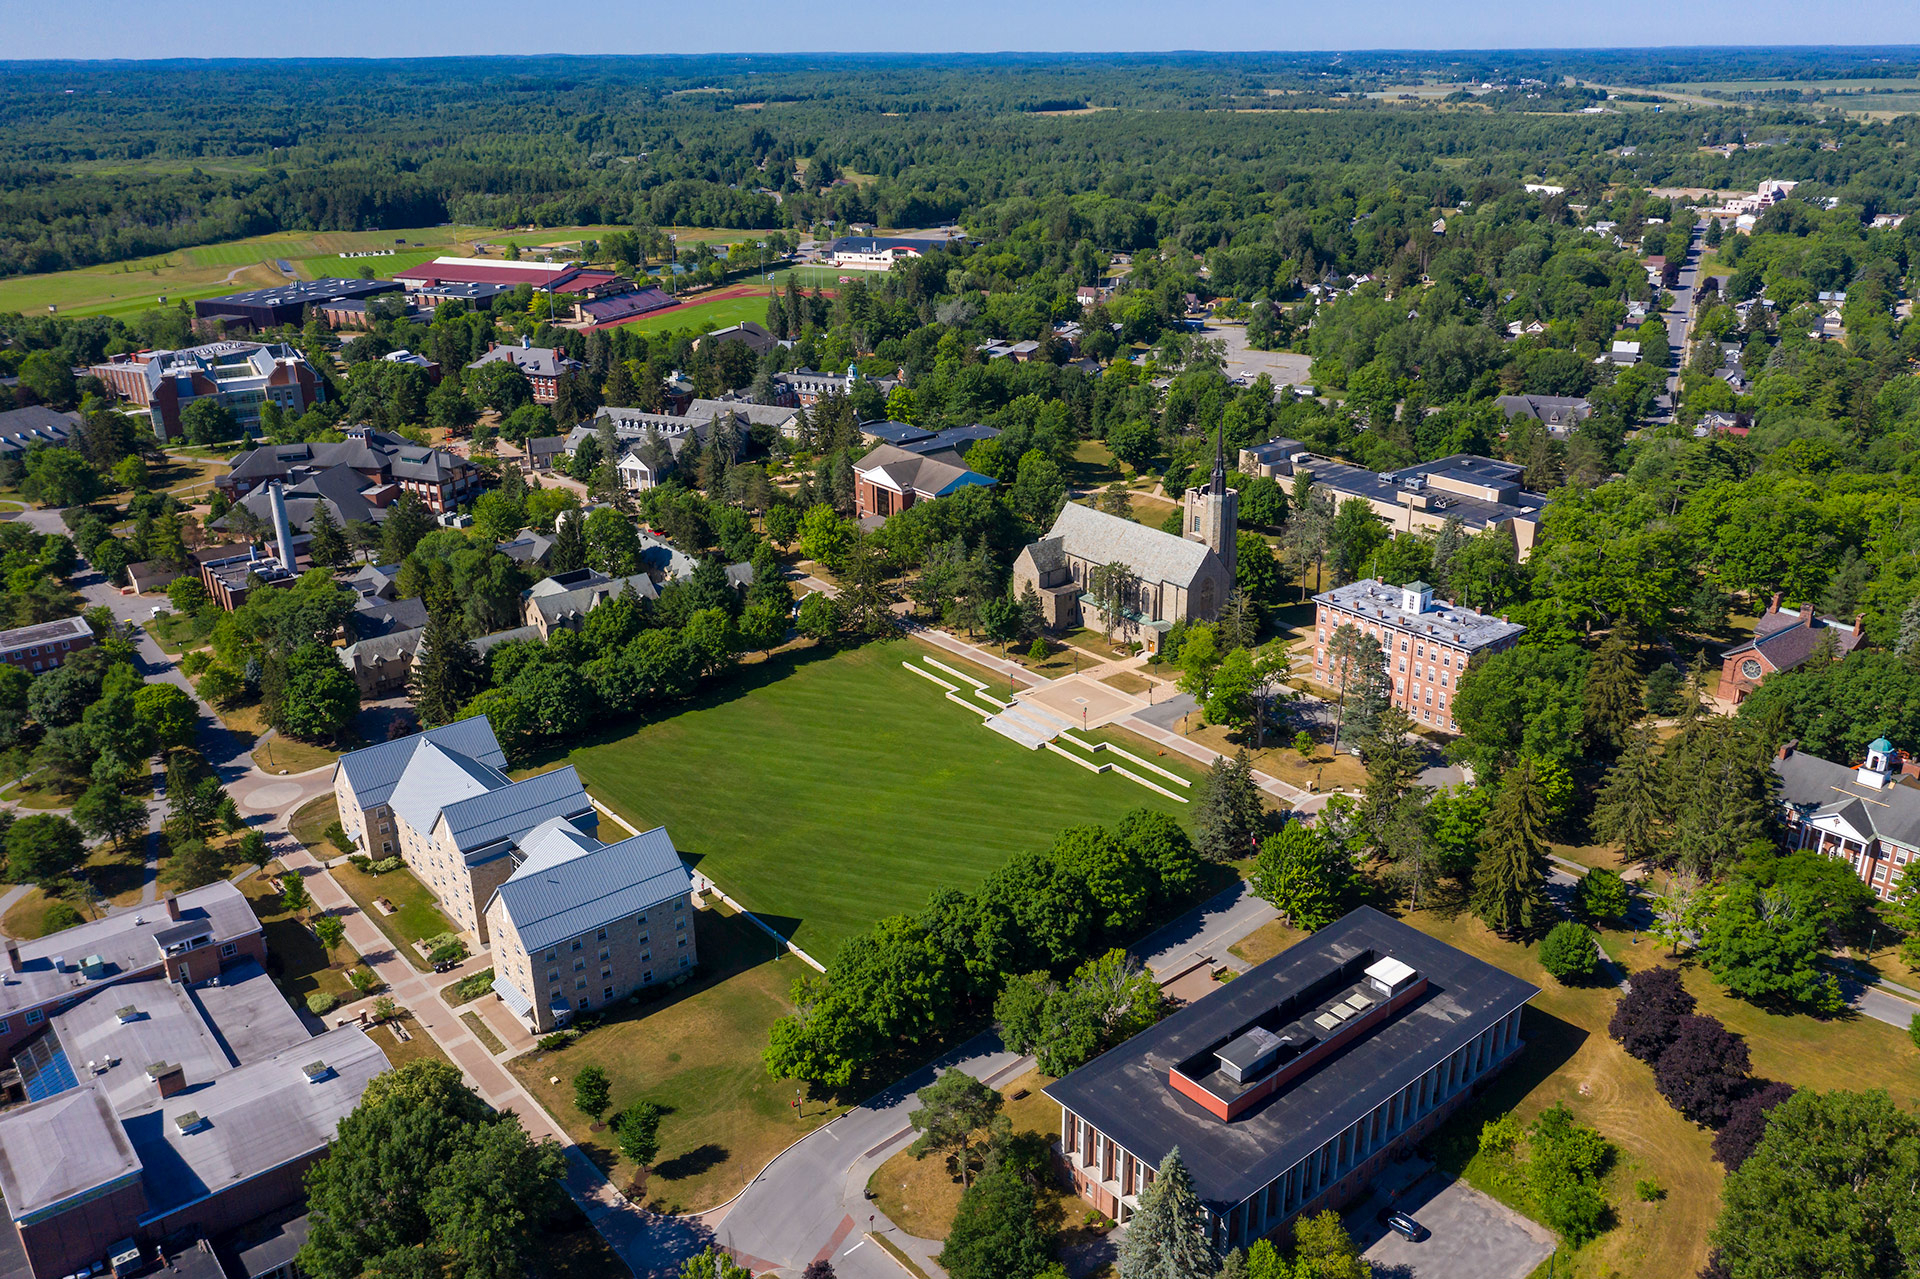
(1220, 459)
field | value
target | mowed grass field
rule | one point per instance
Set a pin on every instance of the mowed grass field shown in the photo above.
(127, 288)
(824, 793)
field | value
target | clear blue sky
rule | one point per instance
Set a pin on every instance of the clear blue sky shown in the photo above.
(385, 28)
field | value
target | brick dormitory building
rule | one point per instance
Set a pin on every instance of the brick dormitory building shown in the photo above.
(1289, 1089)
(1428, 644)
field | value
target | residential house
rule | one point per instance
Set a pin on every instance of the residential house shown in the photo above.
(544, 451)
(755, 337)
(562, 602)
(1428, 644)
(1560, 414)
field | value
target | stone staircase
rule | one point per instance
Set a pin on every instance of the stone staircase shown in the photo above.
(1028, 725)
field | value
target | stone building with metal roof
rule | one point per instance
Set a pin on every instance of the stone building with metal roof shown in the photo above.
(580, 924)
(1289, 1089)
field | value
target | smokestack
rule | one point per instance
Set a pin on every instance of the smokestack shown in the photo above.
(172, 906)
(281, 531)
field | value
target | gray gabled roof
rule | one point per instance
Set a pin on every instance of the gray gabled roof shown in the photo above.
(557, 895)
(1153, 556)
(437, 778)
(64, 1146)
(373, 771)
(479, 822)
(1820, 788)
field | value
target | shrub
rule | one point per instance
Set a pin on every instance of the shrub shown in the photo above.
(60, 915)
(384, 1008)
(449, 952)
(557, 1040)
(321, 1002)
(385, 866)
(1568, 953)
(192, 664)
(1568, 1160)
(1499, 1136)
(1913, 1030)
(363, 980)
(360, 862)
(1039, 652)
(336, 834)
(1647, 1017)
(1649, 1190)
(472, 987)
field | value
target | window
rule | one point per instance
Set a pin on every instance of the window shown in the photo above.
(603, 935)
(643, 939)
(645, 955)
(646, 977)
(685, 962)
(229, 950)
(580, 965)
(34, 1016)
(682, 943)
(576, 943)
(679, 905)
(680, 923)
(607, 994)
(579, 983)
(606, 973)
(553, 975)
(3, 1025)
(605, 954)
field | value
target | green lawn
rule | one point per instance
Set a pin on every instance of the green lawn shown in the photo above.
(824, 793)
(416, 915)
(695, 1051)
(297, 961)
(718, 313)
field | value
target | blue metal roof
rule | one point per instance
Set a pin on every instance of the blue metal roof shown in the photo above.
(511, 811)
(436, 778)
(550, 900)
(374, 771)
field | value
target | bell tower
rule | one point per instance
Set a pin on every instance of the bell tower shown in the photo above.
(1212, 514)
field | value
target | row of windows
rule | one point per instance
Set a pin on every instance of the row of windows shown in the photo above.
(580, 984)
(640, 921)
(1419, 649)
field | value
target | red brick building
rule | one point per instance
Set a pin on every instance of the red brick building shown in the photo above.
(1783, 638)
(891, 479)
(1428, 645)
(45, 645)
(542, 366)
(242, 376)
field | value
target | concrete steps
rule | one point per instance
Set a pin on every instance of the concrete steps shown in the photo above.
(1015, 731)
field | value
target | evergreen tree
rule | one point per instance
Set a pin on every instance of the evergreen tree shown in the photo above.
(1446, 544)
(1167, 1235)
(406, 523)
(1629, 810)
(619, 389)
(1908, 643)
(325, 547)
(446, 670)
(1615, 693)
(1509, 884)
(1719, 789)
(569, 543)
(1393, 760)
(1227, 816)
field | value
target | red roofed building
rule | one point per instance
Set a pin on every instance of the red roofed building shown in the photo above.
(541, 275)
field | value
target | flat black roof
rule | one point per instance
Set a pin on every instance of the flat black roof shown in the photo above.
(305, 291)
(1124, 1093)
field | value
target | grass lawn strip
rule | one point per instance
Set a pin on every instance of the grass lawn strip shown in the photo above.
(829, 792)
(483, 1032)
(296, 960)
(416, 915)
(309, 824)
(695, 1051)
(418, 1046)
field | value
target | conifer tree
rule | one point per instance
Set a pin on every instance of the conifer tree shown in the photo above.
(1630, 809)
(1615, 693)
(446, 670)
(1167, 1235)
(325, 546)
(569, 543)
(1509, 884)
(1227, 816)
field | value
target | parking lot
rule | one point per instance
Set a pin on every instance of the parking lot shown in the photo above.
(1469, 1235)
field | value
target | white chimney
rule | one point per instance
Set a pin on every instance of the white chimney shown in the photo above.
(281, 530)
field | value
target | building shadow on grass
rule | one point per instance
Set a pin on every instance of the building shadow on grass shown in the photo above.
(1549, 1043)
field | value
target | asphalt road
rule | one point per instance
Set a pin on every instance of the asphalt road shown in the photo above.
(1676, 315)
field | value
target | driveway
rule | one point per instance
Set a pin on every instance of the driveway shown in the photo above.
(1472, 1236)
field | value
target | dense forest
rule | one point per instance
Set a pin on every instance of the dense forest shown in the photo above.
(106, 162)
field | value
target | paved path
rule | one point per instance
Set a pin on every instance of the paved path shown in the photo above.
(1205, 932)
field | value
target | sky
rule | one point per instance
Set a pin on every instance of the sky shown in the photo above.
(386, 28)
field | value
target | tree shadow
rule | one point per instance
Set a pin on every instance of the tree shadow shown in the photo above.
(1549, 1042)
(693, 1162)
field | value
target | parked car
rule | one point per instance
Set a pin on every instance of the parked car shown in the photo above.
(1406, 1227)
